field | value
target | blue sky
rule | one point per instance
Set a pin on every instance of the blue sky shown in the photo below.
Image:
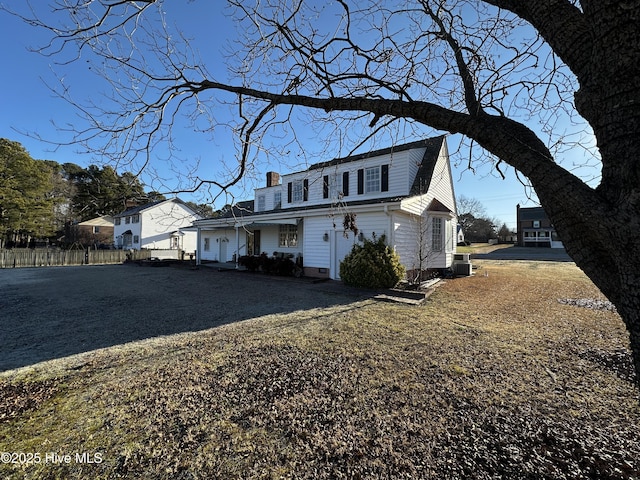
(27, 105)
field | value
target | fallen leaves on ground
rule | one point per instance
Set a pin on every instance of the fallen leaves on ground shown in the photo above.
(492, 378)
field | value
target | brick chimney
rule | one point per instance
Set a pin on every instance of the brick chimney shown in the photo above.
(273, 179)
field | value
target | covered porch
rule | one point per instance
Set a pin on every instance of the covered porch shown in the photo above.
(226, 243)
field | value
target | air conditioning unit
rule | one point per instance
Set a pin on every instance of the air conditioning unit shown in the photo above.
(462, 268)
(461, 257)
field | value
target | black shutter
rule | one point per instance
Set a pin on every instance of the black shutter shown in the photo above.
(360, 181)
(384, 178)
(289, 192)
(345, 184)
(325, 186)
(305, 190)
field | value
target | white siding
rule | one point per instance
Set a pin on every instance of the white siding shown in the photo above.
(441, 186)
(405, 238)
(214, 238)
(269, 197)
(269, 239)
(411, 232)
(159, 221)
(319, 253)
(370, 223)
(402, 170)
(316, 249)
(417, 205)
(320, 234)
(189, 242)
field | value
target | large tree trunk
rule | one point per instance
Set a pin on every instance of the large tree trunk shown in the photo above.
(612, 264)
(600, 228)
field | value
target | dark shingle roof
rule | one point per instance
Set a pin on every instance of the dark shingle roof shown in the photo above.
(425, 172)
(532, 213)
(430, 143)
(240, 209)
(420, 184)
(140, 208)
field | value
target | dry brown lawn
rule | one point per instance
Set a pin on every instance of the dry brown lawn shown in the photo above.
(491, 378)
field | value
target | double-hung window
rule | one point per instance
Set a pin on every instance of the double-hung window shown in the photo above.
(297, 192)
(372, 180)
(436, 234)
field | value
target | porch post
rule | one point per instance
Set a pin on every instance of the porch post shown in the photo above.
(237, 247)
(198, 245)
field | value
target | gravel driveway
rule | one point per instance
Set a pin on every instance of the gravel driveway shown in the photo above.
(53, 312)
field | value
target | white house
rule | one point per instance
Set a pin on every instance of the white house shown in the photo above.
(460, 238)
(404, 192)
(157, 225)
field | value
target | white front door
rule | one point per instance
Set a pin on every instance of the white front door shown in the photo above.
(342, 246)
(223, 250)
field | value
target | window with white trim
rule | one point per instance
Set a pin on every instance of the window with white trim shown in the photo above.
(297, 192)
(436, 234)
(277, 200)
(261, 203)
(288, 236)
(372, 180)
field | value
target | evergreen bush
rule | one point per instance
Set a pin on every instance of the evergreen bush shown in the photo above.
(372, 265)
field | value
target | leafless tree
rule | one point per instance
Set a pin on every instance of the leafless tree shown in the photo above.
(513, 76)
(472, 206)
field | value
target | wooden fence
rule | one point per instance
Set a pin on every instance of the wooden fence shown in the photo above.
(42, 257)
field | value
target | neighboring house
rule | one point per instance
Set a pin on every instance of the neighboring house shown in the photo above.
(96, 232)
(460, 233)
(404, 192)
(157, 225)
(535, 228)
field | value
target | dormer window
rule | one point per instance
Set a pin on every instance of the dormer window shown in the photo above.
(261, 203)
(298, 191)
(373, 179)
(329, 186)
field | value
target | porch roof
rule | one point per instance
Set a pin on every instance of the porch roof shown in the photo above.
(271, 223)
(289, 215)
(248, 223)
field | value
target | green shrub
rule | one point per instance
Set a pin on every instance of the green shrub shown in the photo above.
(372, 265)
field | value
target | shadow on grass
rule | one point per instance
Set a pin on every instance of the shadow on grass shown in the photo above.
(539, 254)
(49, 313)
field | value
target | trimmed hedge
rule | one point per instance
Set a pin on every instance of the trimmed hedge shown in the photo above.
(372, 265)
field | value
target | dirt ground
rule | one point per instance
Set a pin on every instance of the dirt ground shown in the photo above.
(48, 313)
